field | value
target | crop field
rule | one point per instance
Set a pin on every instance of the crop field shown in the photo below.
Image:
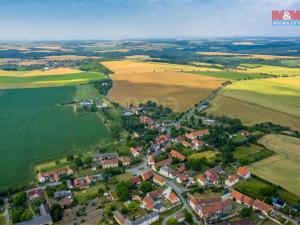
(253, 56)
(31, 73)
(130, 66)
(272, 70)
(275, 100)
(283, 168)
(68, 57)
(35, 128)
(179, 91)
(229, 75)
(48, 80)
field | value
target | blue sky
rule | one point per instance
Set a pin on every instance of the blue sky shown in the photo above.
(121, 19)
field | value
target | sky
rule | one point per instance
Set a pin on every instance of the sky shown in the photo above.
(139, 19)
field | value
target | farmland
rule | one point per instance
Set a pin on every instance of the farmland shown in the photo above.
(275, 100)
(48, 80)
(229, 75)
(44, 130)
(283, 168)
(272, 70)
(136, 82)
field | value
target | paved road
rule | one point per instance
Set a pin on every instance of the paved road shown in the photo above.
(179, 192)
(287, 218)
(138, 169)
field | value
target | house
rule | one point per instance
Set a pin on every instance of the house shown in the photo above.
(53, 175)
(173, 198)
(197, 134)
(181, 168)
(231, 180)
(202, 180)
(182, 179)
(70, 184)
(155, 193)
(110, 163)
(186, 144)
(103, 156)
(278, 203)
(147, 120)
(215, 210)
(147, 175)
(134, 152)
(166, 171)
(149, 203)
(242, 199)
(177, 155)
(82, 182)
(125, 160)
(263, 207)
(62, 194)
(162, 139)
(162, 163)
(143, 220)
(212, 178)
(180, 217)
(150, 159)
(136, 180)
(244, 172)
(39, 220)
(34, 193)
(159, 180)
(197, 144)
(245, 133)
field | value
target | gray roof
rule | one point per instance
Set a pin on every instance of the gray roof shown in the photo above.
(109, 155)
(166, 169)
(142, 219)
(40, 220)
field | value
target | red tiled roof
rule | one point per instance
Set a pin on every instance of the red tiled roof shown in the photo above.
(162, 163)
(136, 179)
(198, 133)
(243, 171)
(156, 193)
(215, 208)
(149, 203)
(147, 175)
(260, 205)
(173, 197)
(177, 155)
(242, 198)
(159, 178)
(110, 161)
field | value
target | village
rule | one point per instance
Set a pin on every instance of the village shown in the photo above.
(156, 184)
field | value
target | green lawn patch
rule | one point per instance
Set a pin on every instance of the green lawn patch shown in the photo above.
(229, 75)
(251, 153)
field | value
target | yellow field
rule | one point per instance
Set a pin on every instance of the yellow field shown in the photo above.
(207, 154)
(274, 70)
(130, 66)
(68, 57)
(276, 100)
(283, 168)
(176, 90)
(56, 71)
(253, 56)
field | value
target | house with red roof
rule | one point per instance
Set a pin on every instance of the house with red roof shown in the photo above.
(136, 180)
(182, 179)
(147, 175)
(83, 182)
(134, 152)
(110, 163)
(159, 180)
(197, 134)
(263, 207)
(177, 155)
(125, 160)
(150, 159)
(148, 203)
(162, 163)
(244, 172)
(34, 193)
(155, 193)
(211, 177)
(173, 198)
(231, 180)
(242, 199)
(147, 120)
(53, 175)
(197, 144)
(202, 180)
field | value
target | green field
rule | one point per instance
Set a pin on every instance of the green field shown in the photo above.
(253, 187)
(272, 70)
(230, 75)
(253, 101)
(283, 168)
(48, 80)
(36, 128)
(2, 219)
(251, 153)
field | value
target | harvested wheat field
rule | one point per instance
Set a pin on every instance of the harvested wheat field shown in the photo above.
(176, 90)
(283, 168)
(275, 100)
(56, 71)
(130, 66)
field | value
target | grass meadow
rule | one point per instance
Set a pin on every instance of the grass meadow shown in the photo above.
(229, 75)
(36, 128)
(253, 101)
(272, 70)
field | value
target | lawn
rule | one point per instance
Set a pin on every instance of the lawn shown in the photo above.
(254, 101)
(48, 80)
(207, 154)
(254, 185)
(35, 128)
(229, 75)
(283, 168)
(2, 219)
(251, 153)
(87, 194)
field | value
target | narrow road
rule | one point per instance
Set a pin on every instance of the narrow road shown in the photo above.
(179, 192)
(7, 211)
(138, 169)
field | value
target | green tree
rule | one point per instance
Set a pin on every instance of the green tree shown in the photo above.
(88, 160)
(19, 200)
(26, 215)
(172, 221)
(188, 217)
(146, 186)
(123, 190)
(245, 212)
(56, 212)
